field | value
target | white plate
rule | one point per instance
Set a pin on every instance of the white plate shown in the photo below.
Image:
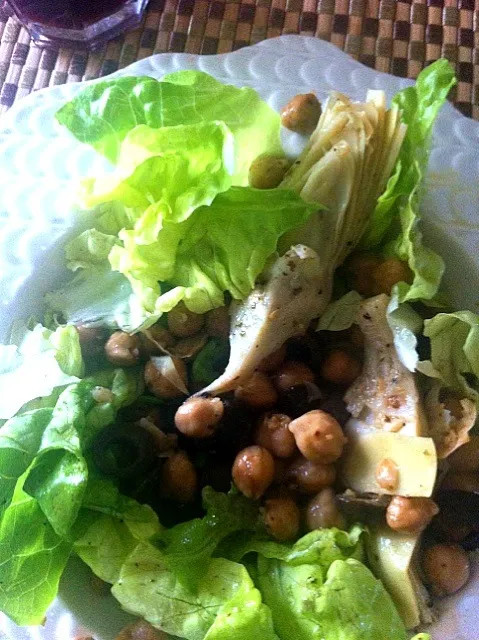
(39, 161)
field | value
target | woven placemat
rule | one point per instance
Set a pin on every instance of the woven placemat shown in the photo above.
(397, 36)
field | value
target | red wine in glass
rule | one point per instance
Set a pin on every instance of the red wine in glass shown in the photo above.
(85, 23)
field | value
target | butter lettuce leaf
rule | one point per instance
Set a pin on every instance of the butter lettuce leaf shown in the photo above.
(37, 362)
(393, 227)
(32, 560)
(454, 351)
(344, 603)
(177, 168)
(109, 528)
(148, 589)
(103, 114)
(221, 247)
(188, 547)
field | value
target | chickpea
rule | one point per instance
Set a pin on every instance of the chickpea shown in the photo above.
(410, 515)
(340, 368)
(218, 323)
(387, 474)
(141, 630)
(273, 361)
(302, 113)
(322, 512)
(388, 273)
(159, 384)
(253, 471)
(292, 374)
(155, 340)
(307, 477)
(360, 267)
(318, 436)
(122, 349)
(466, 458)
(281, 518)
(198, 417)
(178, 478)
(257, 392)
(446, 568)
(267, 171)
(273, 434)
(182, 322)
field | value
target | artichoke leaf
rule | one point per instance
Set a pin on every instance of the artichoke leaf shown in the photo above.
(393, 559)
(385, 395)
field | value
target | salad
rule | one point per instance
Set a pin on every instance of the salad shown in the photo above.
(250, 409)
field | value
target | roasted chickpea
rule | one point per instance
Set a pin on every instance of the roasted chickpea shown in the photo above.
(388, 273)
(253, 471)
(178, 478)
(155, 340)
(281, 518)
(273, 434)
(307, 477)
(198, 417)
(273, 361)
(182, 322)
(122, 349)
(218, 323)
(340, 368)
(141, 630)
(267, 171)
(318, 436)
(159, 384)
(360, 268)
(446, 568)
(410, 515)
(257, 392)
(302, 113)
(387, 474)
(322, 511)
(292, 374)
(466, 458)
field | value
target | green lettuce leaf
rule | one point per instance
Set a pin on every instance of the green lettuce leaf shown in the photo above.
(320, 547)
(20, 439)
(98, 296)
(148, 589)
(188, 547)
(394, 224)
(37, 362)
(222, 247)
(454, 351)
(103, 114)
(32, 560)
(340, 314)
(49, 443)
(109, 527)
(210, 362)
(344, 603)
(178, 169)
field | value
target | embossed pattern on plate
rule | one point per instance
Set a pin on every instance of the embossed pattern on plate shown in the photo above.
(39, 162)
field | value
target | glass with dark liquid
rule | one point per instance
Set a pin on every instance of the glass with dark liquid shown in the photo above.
(87, 23)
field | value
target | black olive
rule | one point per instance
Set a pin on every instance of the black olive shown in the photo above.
(123, 451)
(233, 433)
(300, 399)
(334, 404)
